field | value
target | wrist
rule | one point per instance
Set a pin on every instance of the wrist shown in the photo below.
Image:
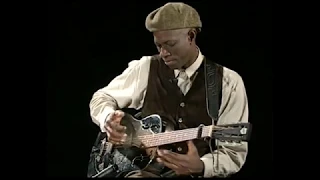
(202, 169)
(200, 172)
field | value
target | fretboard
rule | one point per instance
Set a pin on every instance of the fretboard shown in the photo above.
(159, 139)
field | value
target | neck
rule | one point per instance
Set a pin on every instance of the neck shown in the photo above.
(159, 139)
(193, 57)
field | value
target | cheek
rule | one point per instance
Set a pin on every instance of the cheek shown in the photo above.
(181, 51)
(184, 52)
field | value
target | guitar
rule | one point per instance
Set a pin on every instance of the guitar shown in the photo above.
(145, 136)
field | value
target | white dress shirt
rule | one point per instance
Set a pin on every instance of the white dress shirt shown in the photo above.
(128, 90)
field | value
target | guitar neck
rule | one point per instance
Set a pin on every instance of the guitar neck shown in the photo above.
(159, 139)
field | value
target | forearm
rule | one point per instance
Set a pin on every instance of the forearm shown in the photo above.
(225, 161)
(127, 90)
(101, 105)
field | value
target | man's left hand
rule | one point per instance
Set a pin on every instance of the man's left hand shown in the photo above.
(182, 164)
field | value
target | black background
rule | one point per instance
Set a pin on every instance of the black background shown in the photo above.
(91, 42)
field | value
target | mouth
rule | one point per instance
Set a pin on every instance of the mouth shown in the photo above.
(168, 60)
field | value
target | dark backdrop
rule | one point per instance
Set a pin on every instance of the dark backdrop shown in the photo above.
(91, 42)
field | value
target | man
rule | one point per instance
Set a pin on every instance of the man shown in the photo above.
(172, 85)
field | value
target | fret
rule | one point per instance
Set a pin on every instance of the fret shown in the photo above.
(153, 140)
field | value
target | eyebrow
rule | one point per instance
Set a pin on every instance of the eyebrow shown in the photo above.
(166, 42)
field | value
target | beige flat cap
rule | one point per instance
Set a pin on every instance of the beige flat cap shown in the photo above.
(173, 16)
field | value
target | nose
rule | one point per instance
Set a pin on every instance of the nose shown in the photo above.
(164, 53)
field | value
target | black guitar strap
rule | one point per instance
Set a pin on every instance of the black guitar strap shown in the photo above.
(213, 82)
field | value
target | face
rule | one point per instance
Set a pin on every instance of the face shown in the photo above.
(174, 47)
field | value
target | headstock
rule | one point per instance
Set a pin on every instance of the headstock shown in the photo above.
(232, 132)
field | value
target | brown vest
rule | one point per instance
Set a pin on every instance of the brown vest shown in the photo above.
(164, 98)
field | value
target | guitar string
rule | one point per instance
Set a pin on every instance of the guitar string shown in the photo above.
(165, 138)
(151, 137)
(183, 131)
(154, 139)
(151, 140)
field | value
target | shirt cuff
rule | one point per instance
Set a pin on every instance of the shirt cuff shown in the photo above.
(103, 118)
(208, 167)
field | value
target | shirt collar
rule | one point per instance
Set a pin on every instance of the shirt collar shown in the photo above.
(192, 69)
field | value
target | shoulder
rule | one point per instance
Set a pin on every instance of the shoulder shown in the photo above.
(143, 61)
(231, 78)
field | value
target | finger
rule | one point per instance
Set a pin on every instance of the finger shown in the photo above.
(179, 162)
(191, 147)
(114, 134)
(172, 155)
(119, 127)
(182, 160)
(116, 140)
(178, 170)
(117, 115)
(113, 141)
(168, 164)
(111, 116)
(116, 126)
(183, 171)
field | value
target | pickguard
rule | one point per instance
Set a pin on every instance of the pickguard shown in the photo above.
(152, 123)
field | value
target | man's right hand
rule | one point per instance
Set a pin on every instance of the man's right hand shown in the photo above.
(116, 132)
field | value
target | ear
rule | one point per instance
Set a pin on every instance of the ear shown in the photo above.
(191, 35)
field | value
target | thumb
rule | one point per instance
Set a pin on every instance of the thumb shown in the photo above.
(191, 147)
(119, 113)
(116, 116)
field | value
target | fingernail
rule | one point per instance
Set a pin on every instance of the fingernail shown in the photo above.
(125, 135)
(125, 127)
(123, 140)
(118, 113)
(159, 160)
(166, 152)
(159, 152)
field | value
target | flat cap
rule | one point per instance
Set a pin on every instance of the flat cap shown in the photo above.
(173, 16)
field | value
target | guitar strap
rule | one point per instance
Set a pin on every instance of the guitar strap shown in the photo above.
(213, 84)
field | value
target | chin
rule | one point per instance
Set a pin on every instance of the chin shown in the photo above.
(173, 66)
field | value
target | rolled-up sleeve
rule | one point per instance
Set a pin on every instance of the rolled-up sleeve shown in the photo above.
(127, 90)
(229, 157)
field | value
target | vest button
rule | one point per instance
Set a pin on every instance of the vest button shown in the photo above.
(182, 104)
(180, 120)
(179, 149)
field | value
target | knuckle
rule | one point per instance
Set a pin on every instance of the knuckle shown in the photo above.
(183, 164)
(112, 136)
